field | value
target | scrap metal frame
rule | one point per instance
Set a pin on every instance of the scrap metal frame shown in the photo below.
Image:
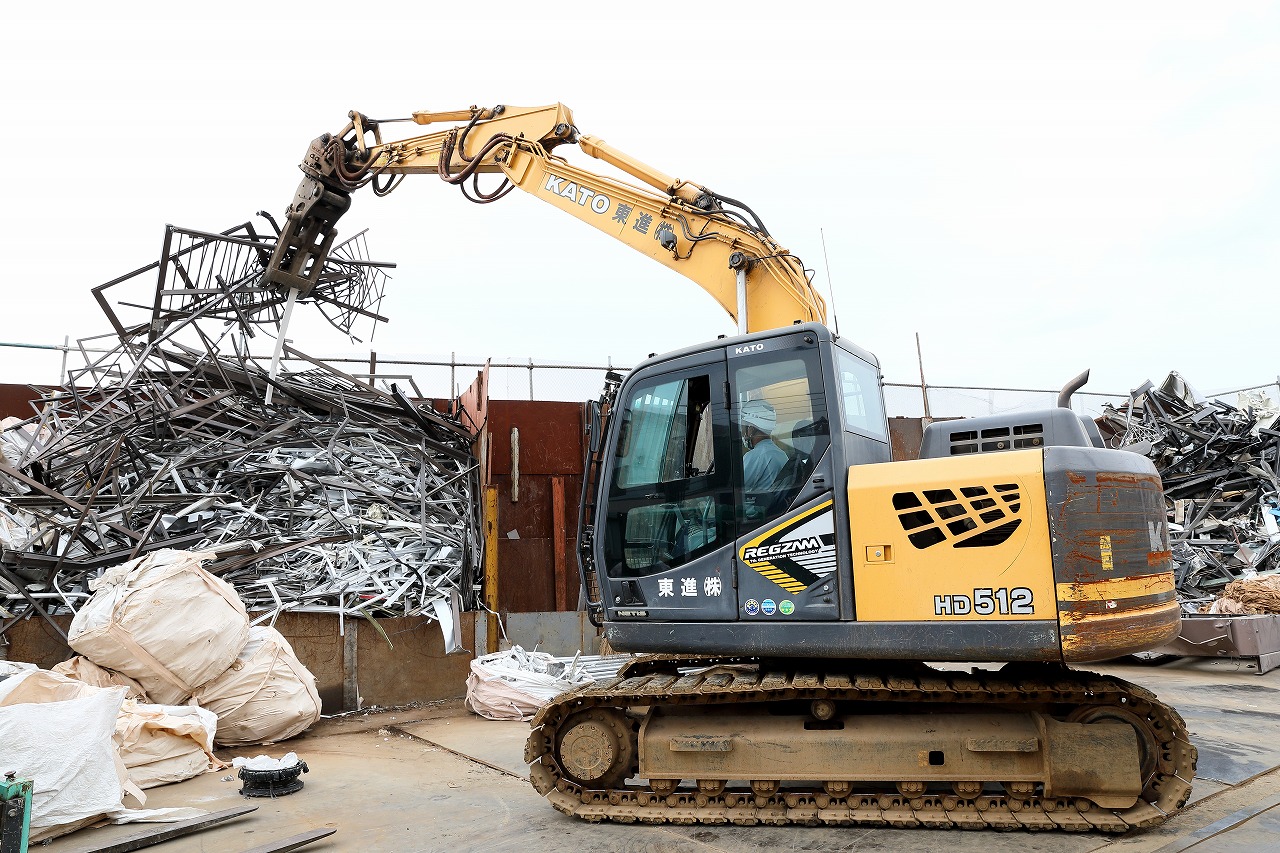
(341, 497)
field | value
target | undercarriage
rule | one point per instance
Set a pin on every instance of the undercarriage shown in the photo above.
(742, 741)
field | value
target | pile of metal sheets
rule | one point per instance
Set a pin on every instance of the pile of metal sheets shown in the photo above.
(1219, 464)
(337, 495)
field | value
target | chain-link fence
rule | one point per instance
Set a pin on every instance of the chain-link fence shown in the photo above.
(948, 401)
(530, 380)
(47, 364)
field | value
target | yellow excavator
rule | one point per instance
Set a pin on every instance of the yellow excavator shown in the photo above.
(809, 613)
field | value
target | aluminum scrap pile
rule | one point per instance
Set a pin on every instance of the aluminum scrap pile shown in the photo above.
(601, 668)
(1219, 464)
(336, 496)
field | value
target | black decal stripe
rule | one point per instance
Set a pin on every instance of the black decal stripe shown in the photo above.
(1137, 602)
(795, 570)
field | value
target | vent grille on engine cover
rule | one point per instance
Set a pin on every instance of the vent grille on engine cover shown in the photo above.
(975, 517)
(996, 439)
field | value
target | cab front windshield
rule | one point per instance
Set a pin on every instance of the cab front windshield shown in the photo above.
(669, 487)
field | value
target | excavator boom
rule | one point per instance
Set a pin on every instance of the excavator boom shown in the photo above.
(714, 241)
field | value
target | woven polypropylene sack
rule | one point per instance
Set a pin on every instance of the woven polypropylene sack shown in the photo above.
(84, 670)
(161, 744)
(267, 695)
(65, 746)
(164, 621)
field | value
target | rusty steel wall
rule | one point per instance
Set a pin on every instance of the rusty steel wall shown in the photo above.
(905, 435)
(537, 502)
(15, 400)
(414, 668)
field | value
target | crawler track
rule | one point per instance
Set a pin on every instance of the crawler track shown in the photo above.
(657, 680)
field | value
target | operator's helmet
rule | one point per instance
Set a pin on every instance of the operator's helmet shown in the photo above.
(759, 414)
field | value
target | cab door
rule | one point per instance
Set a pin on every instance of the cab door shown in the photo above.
(786, 556)
(669, 508)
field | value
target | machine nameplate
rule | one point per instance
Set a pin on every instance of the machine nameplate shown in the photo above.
(1018, 601)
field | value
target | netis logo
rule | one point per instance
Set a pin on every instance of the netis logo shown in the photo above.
(781, 549)
(746, 348)
(598, 202)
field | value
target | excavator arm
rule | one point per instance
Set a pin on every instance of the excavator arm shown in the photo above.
(713, 240)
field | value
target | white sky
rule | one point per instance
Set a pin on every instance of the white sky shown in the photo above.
(1035, 189)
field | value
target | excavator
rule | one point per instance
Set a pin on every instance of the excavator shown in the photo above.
(822, 635)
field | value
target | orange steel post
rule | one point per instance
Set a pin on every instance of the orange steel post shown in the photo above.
(491, 566)
(558, 534)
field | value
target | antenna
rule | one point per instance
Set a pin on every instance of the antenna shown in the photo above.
(835, 318)
(924, 389)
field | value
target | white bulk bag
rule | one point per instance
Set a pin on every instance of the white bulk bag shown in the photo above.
(26, 683)
(65, 746)
(514, 684)
(86, 671)
(164, 621)
(161, 744)
(267, 695)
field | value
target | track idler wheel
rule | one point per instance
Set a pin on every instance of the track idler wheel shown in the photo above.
(1148, 749)
(597, 748)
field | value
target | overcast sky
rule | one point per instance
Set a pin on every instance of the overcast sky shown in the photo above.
(1035, 189)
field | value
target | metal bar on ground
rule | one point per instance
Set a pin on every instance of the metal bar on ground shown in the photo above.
(293, 842)
(157, 835)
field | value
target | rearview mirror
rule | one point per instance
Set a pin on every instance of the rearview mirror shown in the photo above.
(594, 423)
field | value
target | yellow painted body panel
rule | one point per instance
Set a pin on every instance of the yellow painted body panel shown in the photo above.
(1115, 589)
(896, 579)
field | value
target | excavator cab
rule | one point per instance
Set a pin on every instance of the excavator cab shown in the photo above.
(725, 450)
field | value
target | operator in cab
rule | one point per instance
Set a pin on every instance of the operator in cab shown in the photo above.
(764, 458)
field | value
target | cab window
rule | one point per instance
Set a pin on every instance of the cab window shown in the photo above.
(667, 434)
(780, 423)
(670, 496)
(860, 395)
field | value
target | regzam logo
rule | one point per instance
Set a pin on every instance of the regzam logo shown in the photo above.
(761, 553)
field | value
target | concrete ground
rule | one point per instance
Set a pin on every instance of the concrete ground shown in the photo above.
(442, 779)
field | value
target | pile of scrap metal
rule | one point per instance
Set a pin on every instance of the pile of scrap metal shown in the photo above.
(1220, 466)
(315, 489)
